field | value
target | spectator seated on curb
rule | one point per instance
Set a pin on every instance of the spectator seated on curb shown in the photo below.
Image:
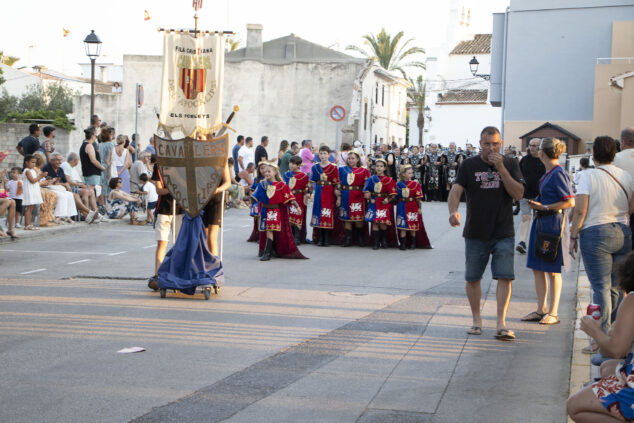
(246, 177)
(121, 203)
(84, 197)
(235, 190)
(8, 205)
(67, 201)
(139, 167)
(611, 399)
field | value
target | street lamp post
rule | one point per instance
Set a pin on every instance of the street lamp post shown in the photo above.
(427, 116)
(473, 66)
(92, 43)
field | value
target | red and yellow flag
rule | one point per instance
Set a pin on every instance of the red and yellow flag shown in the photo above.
(65, 31)
(146, 15)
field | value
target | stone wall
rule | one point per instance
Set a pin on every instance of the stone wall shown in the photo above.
(107, 107)
(12, 133)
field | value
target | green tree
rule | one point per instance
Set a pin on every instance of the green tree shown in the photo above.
(7, 60)
(8, 104)
(32, 99)
(416, 96)
(59, 97)
(390, 53)
(2, 80)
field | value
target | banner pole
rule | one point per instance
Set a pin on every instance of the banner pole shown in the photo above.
(222, 226)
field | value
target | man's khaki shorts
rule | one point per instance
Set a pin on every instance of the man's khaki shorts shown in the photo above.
(164, 226)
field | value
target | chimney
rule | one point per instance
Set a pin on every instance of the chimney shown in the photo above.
(291, 49)
(254, 41)
(103, 74)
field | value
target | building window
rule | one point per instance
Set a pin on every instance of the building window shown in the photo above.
(382, 95)
(365, 116)
(376, 95)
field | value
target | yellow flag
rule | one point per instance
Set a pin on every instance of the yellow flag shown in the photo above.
(146, 15)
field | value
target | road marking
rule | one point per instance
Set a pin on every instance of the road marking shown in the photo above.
(149, 246)
(54, 252)
(79, 261)
(227, 229)
(32, 271)
(124, 230)
(116, 254)
(244, 226)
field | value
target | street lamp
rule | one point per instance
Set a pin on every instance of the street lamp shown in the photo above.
(473, 66)
(427, 112)
(92, 43)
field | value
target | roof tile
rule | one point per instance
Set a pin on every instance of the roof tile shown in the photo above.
(481, 44)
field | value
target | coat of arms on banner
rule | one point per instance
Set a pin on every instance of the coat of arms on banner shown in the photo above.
(191, 98)
(192, 169)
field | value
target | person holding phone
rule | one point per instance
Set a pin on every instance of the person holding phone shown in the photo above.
(555, 196)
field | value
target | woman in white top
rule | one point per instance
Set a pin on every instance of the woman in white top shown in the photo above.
(611, 398)
(121, 159)
(600, 223)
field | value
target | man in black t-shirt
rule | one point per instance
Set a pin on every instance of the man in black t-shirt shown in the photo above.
(260, 151)
(491, 183)
(164, 217)
(31, 143)
(532, 169)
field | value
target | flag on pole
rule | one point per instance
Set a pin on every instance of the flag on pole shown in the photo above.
(146, 15)
(192, 83)
(197, 4)
(65, 31)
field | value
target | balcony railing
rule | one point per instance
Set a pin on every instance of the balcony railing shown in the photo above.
(615, 60)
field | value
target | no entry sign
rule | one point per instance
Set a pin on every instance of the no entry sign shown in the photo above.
(337, 113)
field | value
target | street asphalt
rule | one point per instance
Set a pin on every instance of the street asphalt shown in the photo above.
(350, 335)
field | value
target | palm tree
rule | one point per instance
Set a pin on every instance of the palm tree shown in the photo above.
(416, 95)
(387, 52)
(232, 44)
(7, 60)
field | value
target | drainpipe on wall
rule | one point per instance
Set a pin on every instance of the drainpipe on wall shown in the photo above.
(506, 33)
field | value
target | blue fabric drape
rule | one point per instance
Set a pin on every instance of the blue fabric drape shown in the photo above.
(190, 263)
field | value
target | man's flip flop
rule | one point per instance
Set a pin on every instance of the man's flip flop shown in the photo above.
(533, 316)
(505, 335)
(474, 330)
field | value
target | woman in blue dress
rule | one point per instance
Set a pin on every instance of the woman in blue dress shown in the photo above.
(555, 196)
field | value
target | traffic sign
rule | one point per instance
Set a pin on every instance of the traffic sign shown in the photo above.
(139, 95)
(337, 113)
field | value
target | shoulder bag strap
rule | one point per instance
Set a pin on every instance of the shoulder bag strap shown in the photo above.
(627, 197)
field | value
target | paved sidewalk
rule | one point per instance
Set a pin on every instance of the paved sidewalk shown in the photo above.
(59, 229)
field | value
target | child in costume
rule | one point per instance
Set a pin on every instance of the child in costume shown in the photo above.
(408, 209)
(350, 199)
(255, 205)
(274, 197)
(326, 178)
(379, 190)
(298, 182)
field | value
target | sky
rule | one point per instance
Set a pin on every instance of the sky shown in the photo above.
(32, 29)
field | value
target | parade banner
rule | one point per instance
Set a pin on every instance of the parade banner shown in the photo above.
(192, 169)
(191, 95)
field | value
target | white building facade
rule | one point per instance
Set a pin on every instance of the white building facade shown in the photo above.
(458, 101)
(378, 111)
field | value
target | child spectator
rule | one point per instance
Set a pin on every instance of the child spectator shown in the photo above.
(149, 190)
(31, 190)
(14, 186)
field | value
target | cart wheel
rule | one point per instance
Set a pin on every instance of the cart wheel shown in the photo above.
(207, 293)
(216, 289)
(163, 292)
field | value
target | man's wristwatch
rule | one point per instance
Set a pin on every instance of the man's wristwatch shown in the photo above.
(546, 207)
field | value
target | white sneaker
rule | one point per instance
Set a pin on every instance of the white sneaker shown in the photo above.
(90, 217)
(17, 225)
(103, 218)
